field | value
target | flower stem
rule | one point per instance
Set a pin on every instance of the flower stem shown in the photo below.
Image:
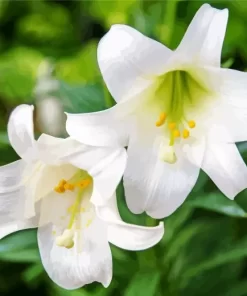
(170, 16)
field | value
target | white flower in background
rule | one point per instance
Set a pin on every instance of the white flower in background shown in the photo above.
(50, 117)
(53, 187)
(177, 111)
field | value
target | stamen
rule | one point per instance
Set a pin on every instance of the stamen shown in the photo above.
(191, 123)
(161, 119)
(172, 125)
(186, 133)
(176, 134)
(75, 208)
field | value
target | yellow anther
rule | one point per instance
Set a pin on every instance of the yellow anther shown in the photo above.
(69, 186)
(82, 210)
(84, 183)
(62, 183)
(176, 134)
(172, 125)
(161, 119)
(59, 189)
(191, 123)
(186, 134)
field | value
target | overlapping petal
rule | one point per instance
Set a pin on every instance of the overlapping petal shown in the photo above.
(104, 128)
(128, 236)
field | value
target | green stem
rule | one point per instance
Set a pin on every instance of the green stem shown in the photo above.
(170, 16)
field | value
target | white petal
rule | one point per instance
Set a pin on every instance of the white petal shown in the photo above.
(134, 237)
(20, 132)
(107, 175)
(128, 60)
(14, 192)
(128, 236)
(50, 176)
(155, 186)
(230, 114)
(204, 38)
(88, 261)
(53, 150)
(104, 128)
(225, 166)
(54, 208)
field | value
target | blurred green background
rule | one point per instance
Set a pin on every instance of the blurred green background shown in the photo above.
(48, 57)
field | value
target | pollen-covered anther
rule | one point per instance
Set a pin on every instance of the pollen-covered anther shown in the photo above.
(66, 239)
(59, 189)
(161, 120)
(69, 186)
(176, 134)
(172, 125)
(191, 123)
(186, 133)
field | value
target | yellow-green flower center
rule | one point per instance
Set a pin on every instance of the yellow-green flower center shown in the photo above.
(176, 94)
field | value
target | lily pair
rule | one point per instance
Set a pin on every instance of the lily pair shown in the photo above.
(177, 111)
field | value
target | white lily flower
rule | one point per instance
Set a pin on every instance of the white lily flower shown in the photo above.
(53, 187)
(177, 111)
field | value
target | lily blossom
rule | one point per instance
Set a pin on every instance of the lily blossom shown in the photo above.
(53, 187)
(177, 111)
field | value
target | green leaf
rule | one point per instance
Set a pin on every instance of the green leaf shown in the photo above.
(82, 98)
(235, 253)
(19, 241)
(219, 203)
(228, 63)
(144, 284)
(33, 272)
(4, 140)
(238, 290)
(21, 256)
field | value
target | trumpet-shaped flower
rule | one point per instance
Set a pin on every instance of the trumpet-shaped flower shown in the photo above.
(177, 111)
(53, 187)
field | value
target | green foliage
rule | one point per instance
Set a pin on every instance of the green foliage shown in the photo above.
(204, 249)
